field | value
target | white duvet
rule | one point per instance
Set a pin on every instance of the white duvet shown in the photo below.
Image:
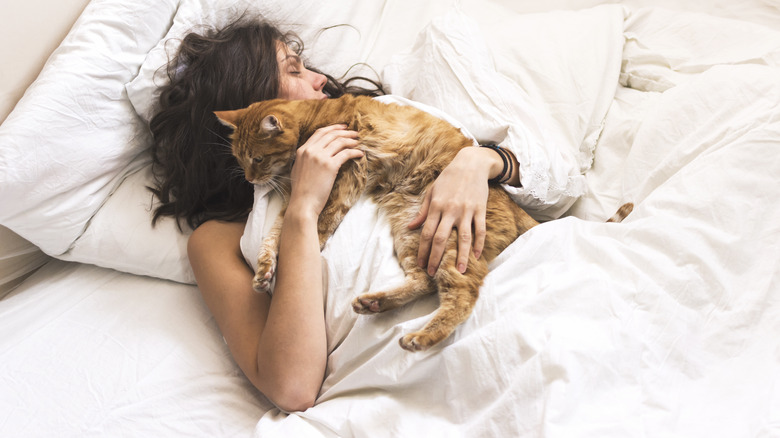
(663, 325)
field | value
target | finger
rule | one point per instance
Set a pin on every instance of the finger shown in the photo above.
(421, 214)
(330, 128)
(341, 132)
(328, 147)
(337, 141)
(346, 155)
(426, 237)
(320, 133)
(479, 233)
(340, 144)
(439, 244)
(464, 245)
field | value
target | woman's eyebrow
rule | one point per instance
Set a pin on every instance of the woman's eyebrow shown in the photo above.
(296, 59)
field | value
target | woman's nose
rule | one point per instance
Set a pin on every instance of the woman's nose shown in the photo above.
(319, 81)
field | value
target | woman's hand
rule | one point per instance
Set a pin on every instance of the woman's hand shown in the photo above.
(317, 163)
(457, 199)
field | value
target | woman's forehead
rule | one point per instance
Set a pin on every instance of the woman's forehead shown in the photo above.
(285, 54)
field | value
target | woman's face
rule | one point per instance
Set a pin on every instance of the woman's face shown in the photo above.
(297, 82)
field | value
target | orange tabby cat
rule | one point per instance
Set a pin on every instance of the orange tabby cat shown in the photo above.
(405, 149)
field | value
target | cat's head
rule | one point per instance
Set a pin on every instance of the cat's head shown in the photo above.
(264, 139)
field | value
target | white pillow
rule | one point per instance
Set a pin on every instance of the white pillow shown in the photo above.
(120, 235)
(69, 140)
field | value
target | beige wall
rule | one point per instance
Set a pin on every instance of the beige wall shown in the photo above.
(29, 31)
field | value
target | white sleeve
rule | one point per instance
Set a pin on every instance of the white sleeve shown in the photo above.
(450, 68)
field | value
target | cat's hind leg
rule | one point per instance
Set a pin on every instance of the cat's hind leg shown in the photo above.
(417, 282)
(400, 209)
(457, 296)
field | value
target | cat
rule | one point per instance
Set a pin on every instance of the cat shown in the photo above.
(405, 149)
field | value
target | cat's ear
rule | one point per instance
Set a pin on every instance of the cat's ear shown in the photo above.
(228, 118)
(271, 124)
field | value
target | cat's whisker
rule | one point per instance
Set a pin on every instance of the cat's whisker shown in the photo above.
(236, 173)
(283, 182)
(222, 145)
(226, 140)
(275, 186)
(236, 169)
(222, 149)
(278, 187)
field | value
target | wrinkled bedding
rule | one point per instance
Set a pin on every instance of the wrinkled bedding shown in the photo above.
(663, 325)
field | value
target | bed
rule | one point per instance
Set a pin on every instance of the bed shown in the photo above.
(666, 324)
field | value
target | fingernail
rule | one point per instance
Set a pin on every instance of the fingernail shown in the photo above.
(461, 268)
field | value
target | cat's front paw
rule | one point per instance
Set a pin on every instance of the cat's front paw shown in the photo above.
(367, 304)
(262, 281)
(266, 268)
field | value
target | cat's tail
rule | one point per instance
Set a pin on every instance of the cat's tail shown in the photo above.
(622, 212)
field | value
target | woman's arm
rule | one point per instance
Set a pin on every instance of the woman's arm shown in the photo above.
(294, 344)
(458, 199)
(279, 342)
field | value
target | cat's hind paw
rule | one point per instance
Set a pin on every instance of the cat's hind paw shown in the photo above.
(416, 342)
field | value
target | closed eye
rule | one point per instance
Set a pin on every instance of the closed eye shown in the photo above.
(257, 160)
(294, 64)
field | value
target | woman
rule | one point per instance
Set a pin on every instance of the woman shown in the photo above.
(279, 342)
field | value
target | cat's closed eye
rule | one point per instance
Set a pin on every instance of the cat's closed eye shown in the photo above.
(257, 160)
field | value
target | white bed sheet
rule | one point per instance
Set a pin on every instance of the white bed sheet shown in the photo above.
(92, 352)
(665, 325)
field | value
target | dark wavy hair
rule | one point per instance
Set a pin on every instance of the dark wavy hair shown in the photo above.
(196, 176)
